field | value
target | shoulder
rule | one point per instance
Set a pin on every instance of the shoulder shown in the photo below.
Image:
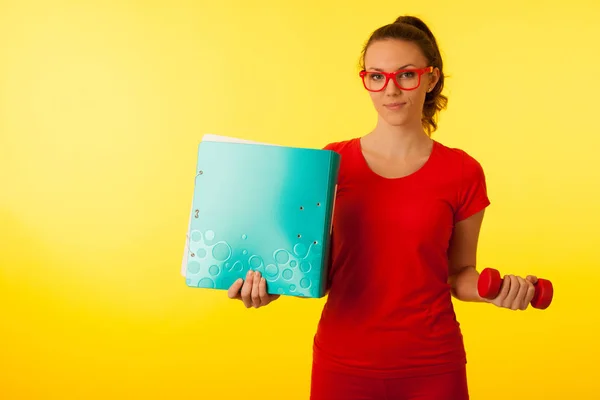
(459, 159)
(349, 153)
(340, 146)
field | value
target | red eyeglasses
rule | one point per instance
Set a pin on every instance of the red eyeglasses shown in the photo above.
(404, 79)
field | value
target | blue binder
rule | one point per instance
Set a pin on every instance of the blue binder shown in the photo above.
(263, 207)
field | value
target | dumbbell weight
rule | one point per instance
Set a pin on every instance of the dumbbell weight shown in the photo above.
(490, 281)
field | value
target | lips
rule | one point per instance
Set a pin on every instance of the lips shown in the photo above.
(394, 106)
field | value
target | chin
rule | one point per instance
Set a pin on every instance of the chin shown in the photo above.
(399, 119)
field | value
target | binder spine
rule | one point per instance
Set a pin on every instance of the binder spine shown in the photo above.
(331, 194)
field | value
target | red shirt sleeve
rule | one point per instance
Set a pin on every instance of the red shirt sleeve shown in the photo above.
(473, 196)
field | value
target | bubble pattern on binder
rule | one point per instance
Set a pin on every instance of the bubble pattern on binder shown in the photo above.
(217, 264)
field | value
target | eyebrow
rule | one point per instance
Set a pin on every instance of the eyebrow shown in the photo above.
(402, 67)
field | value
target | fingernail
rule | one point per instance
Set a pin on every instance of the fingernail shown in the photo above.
(249, 273)
(262, 280)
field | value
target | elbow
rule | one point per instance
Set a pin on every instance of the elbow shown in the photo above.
(463, 284)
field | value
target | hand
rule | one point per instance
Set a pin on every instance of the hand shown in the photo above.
(515, 292)
(252, 292)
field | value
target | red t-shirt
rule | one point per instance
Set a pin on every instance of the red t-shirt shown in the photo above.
(389, 310)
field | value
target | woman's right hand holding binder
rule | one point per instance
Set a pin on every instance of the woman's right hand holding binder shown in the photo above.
(252, 291)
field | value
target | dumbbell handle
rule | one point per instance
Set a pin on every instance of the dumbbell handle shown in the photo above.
(490, 281)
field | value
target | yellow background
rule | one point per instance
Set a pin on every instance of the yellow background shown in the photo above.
(102, 105)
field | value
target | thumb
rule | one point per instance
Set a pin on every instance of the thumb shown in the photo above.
(532, 279)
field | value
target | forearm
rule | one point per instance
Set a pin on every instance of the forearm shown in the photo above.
(463, 285)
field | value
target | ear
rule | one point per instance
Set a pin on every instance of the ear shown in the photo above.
(434, 78)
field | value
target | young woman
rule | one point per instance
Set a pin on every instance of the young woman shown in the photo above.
(406, 225)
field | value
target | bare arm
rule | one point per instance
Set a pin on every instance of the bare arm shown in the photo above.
(515, 292)
(462, 256)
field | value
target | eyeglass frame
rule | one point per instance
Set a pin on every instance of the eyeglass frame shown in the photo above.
(390, 75)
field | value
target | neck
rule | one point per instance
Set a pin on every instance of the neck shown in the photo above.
(397, 141)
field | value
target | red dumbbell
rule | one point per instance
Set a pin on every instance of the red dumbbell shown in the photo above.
(490, 281)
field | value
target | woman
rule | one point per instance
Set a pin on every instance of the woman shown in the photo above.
(407, 219)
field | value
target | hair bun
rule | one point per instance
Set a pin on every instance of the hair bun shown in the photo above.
(417, 23)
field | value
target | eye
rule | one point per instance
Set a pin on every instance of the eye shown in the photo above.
(375, 76)
(407, 75)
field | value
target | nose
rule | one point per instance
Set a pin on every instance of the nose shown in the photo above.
(391, 88)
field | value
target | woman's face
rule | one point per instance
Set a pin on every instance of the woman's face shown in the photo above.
(394, 105)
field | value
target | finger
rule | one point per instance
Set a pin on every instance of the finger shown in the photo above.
(529, 295)
(247, 290)
(504, 289)
(264, 296)
(532, 279)
(234, 290)
(521, 294)
(256, 290)
(513, 291)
